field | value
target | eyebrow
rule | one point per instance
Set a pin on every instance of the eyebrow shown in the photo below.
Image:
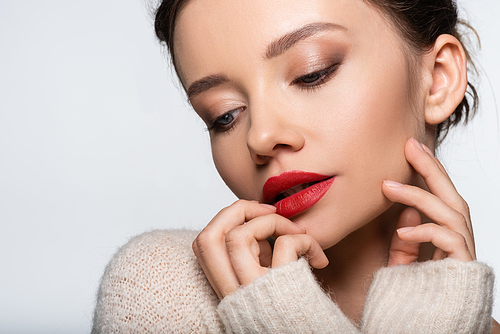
(199, 86)
(273, 50)
(285, 42)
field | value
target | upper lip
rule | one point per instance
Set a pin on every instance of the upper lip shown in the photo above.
(289, 179)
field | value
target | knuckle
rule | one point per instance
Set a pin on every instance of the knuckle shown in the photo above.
(462, 220)
(459, 241)
(221, 212)
(204, 240)
(239, 204)
(465, 208)
(287, 241)
(199, 248)
(195, 248)
(282, 242)
(461, 206)
(237, 207)
(236, 238)
(432, 228)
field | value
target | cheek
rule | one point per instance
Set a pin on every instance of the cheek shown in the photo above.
(385, 122)
(366, 127)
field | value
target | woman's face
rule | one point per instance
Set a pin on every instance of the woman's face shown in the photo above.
(317, 86)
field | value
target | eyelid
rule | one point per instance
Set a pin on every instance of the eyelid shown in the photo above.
(214, 105)
(214, 126)
(324, 73)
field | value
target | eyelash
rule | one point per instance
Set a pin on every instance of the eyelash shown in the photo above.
(323, 76)
(218, 127)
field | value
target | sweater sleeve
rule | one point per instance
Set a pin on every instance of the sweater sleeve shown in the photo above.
(154, 284)
(446, 296)
(285, 300)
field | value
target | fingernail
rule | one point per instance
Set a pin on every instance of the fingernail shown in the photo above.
(268, 206)
(299, 226)
(417, 144)
(428, 150)
(405, 229)
(392, 184)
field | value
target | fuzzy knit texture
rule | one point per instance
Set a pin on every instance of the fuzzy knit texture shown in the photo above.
(154, 284)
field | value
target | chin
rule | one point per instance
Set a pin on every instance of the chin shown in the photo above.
(329, 224)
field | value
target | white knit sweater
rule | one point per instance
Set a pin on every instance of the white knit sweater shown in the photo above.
(154, 284)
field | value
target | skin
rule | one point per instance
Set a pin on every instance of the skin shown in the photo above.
(335, 102)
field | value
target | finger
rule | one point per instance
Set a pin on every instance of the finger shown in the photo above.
(238, 213)
(425, 202)
(430, 205)
(439, 254)
(461, 204)
(438, 163)
(265, 253)
(434, 175)
(243, 248)
(424, 162)
(206, 271)
(450, 242)
(210, 245)
(289, 247)
(401, 252)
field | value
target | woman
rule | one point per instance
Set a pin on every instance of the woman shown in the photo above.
(323, 118)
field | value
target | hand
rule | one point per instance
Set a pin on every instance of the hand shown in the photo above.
(233, 251)
(452, 232)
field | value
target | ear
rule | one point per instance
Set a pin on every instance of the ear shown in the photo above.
(446, 64)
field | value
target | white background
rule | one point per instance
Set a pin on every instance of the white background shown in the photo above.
(97, 145)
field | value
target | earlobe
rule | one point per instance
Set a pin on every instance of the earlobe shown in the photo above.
(447, 66)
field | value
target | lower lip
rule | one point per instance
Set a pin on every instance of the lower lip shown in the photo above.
(303, 200)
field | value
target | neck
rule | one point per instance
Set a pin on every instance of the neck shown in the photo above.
(353, 261)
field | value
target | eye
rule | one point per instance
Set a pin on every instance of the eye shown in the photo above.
(226, 121)
(310, 78)
(316, 79)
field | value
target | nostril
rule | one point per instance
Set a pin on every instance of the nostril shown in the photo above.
(277, 146)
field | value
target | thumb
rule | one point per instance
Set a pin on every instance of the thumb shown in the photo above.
(402, 252)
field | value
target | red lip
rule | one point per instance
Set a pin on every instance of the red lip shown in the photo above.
(301, 200)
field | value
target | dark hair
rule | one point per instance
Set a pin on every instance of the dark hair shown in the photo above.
(420, 23)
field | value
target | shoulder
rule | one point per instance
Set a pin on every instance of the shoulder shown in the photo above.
(444, 296)
(169, 245)
(155, 284)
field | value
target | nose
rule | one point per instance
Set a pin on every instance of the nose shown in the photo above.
(271, 133)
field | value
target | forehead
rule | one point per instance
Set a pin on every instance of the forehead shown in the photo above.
(213, 36)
